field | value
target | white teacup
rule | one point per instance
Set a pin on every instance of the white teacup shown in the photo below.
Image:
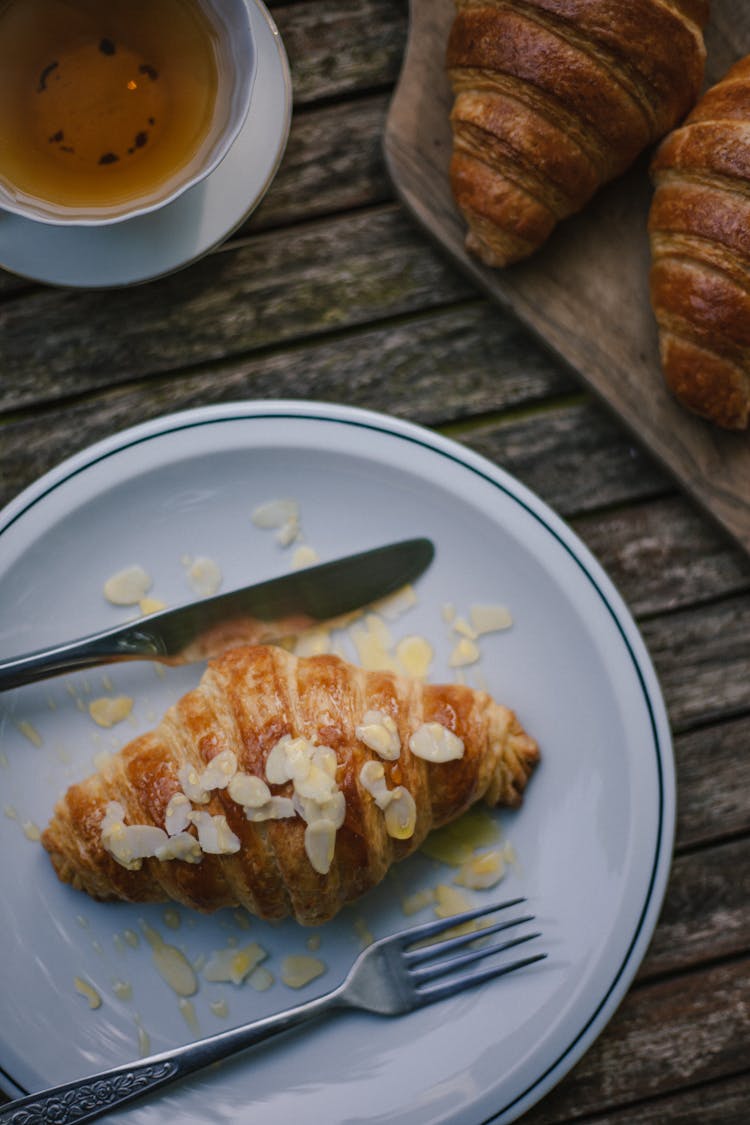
(111, 110)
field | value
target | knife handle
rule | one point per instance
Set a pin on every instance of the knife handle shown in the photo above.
(123, 643)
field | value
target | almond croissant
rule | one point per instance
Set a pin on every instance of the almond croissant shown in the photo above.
(286, 786)
(556, 97)
(700, 242)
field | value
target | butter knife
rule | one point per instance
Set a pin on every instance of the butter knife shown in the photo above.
(256, 614)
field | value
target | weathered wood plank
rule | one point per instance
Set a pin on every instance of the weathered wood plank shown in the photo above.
(576, 457)
(666, 1036)
(276, 287)
(702, 658)
(428, 368)
(713, 794)
(540, 449)
(664, 554)
(336, 48)
(333, 163)
(706, 912)
(724, 1102)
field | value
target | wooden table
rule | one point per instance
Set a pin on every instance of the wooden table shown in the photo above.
(330, 292)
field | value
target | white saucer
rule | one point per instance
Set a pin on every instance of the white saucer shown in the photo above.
(151, 245)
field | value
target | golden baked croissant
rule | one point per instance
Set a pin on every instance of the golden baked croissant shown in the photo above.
(556, 97)
(304, 778)
(699, 226)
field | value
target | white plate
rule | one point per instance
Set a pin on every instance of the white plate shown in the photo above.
(162, 241)
(593, 837)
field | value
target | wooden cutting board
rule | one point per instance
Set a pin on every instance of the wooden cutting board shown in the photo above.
(585, 293)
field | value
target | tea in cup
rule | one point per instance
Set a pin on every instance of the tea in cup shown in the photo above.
(111, 108)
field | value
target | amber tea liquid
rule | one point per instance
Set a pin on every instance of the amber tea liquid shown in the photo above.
(102, 101)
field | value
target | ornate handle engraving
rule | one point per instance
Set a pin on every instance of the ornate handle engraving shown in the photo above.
(79, 1100)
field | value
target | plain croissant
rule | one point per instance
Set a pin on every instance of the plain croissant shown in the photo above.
(700, 240)
(286, 786)
(556, 97)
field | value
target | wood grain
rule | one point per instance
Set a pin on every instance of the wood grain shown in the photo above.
(586, 292)
(666, 1036)
(331, 293)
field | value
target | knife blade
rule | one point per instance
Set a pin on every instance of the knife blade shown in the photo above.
(256, 614)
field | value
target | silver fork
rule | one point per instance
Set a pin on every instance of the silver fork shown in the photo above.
(392, 976)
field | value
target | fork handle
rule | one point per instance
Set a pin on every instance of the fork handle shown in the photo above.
(87, 1098)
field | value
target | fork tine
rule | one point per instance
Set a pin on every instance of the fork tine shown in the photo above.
(436, 949)
(440, 968)
(429, 994)
(431, 929)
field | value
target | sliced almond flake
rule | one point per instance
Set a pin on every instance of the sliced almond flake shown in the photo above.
(401, 814)
(214, 834)
(171, 964)
(275, 513)
(127, 586)
(87, 990)
(261, 979)
(182, 846)
(219, 771)
(106, 712)
(317, 784)
(233, 965)
(448, 612)
(435, 743)
(482, 871)
(379, 732)
(415, 655)
(177, 814)
(147, 606)
(204, 576)
(490, 618)
(465, 652)
(450, 901)
(371, 653)
(278, 808)
(313, 642)
(277, 765)
(372, 780)
(304, 556)
(190, 781)
(462, 626)
(248, 790)
(288, 533)
(320, 843)
(325, 759)
(131, 843)
(298, 970)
